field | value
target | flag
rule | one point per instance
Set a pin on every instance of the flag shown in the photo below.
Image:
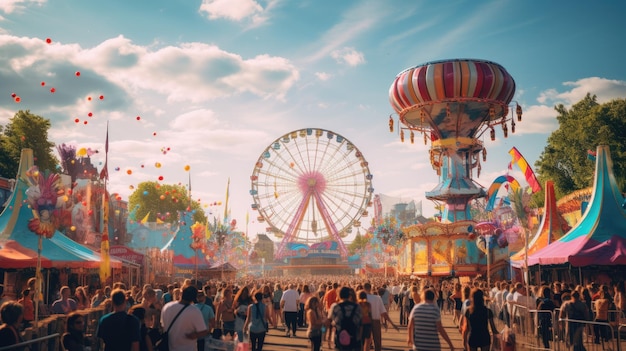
(591, 155)
(145, 218)
(226, 204)
(105, 264)
(104, 174)
(208, 230)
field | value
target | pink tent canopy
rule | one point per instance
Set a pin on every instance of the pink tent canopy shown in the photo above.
(600, 236)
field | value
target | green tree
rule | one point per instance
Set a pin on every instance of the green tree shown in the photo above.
(26, 130)
(583, 127)
(359, 243)
(163, 201)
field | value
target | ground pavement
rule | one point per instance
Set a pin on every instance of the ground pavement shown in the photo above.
(392, 340)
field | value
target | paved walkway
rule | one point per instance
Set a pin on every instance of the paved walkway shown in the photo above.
(392, 340)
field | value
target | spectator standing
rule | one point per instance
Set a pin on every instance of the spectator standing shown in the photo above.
(11, 314)
(74, 337)
(379, 314)
(242, 301)
(64, 305)
(29, 308)
(576, 310)
(290, 304)
(188, 327)
(425, 325)
(366, 322)
(226, 313)
(98, 298)
(305, 295)
(119, 330)
(145, 343)
(545, 306)
(208, 315)
(276, 296)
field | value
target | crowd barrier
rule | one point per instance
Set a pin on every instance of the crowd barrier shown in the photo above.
(528, 325)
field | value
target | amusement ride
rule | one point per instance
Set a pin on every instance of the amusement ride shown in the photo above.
(311, 185)
(452, 103)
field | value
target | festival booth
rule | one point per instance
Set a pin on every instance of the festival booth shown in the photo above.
(60, 256)
(319, 258)
(597, 244)
(553, 226)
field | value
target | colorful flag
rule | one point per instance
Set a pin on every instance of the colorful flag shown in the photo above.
(104, 174)
(523, 165)
(105, 264)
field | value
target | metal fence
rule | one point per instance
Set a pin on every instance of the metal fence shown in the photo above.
(545, 330)
(46, 343)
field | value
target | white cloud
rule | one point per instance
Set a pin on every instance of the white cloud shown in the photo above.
(323, 76)
(234, 10)
(9, 6)
(349, 56)
(604, 89)
(192, 72)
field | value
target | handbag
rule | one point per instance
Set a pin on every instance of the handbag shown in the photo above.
(163, 343)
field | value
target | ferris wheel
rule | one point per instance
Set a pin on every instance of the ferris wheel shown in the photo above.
(311, 185)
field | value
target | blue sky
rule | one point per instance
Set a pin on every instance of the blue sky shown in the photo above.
(219, 81)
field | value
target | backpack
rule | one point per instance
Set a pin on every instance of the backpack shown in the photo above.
(347, 335)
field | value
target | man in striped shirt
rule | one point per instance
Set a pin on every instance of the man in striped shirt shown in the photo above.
(425, 324)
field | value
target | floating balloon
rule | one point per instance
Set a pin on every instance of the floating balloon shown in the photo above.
(131, 187)
(53, 90)
(157, 165)
(17, 99)
(187, 168)
(85, 122)
(43, 84)
(77, 73)
(154, 134)
(101, 97)
(138, 118)
(117, 168)
(90, 114)
(48, 40)
(88, 98)
(77, 120)
(129, 172)
(81, 152)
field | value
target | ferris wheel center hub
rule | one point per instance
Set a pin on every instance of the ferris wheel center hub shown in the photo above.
(312, 181)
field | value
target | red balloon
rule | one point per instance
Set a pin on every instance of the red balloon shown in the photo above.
(138, 118)
(18, 99)
(77, 73)
(88, 98)
(43, 83)
(85, 122)
(90, 114)
(154, 133)
(13, 95)
(101, 97)
(160, 177)
(48, 40)
(53, 90)
(77, 120)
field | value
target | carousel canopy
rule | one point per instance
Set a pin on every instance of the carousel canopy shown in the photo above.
(17, 241)
(600, 236)
(553, 226)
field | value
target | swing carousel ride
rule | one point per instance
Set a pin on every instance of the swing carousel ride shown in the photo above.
(452, 103)
(311, 186)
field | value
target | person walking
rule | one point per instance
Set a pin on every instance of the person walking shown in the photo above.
(346, 316)
(184, 323)
(119, 330)
(315, 322)
(478, 318)
(290, 303)
(425, 325)
(379, 314)
(258, 317)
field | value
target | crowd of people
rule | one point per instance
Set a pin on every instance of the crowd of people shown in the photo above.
(338, 313)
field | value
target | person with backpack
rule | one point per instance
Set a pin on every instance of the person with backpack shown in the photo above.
(258, 318)
(346, 317)
(366, 322)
